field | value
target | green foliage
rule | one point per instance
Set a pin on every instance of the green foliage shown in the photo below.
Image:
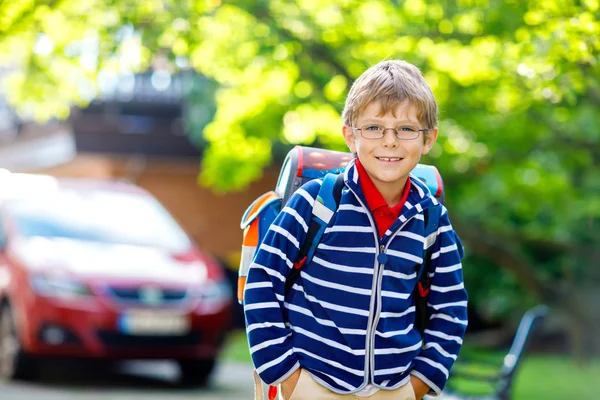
(517, 84)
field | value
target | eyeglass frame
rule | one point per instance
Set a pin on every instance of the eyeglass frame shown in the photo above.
(418, 131)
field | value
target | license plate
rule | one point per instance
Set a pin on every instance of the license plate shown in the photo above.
(153, 322)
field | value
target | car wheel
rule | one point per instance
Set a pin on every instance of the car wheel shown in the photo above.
(195, 372)
(14, 363)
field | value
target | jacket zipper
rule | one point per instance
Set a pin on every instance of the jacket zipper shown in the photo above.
(375, 303)
(376, 315)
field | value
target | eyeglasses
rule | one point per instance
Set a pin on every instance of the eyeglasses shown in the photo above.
(373, 131)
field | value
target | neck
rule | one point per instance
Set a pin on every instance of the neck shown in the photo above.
(391, 192)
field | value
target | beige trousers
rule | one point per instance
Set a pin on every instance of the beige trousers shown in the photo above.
(308, 389)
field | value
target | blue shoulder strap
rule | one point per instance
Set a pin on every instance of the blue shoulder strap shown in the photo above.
(326, 204)
(432, 221)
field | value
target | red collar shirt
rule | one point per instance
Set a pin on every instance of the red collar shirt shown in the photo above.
(384, 214)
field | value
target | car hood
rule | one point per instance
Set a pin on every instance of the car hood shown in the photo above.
(104, 262)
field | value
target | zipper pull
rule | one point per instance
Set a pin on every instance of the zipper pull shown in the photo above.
(382, 258)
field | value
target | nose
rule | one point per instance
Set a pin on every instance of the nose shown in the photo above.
(389, 138)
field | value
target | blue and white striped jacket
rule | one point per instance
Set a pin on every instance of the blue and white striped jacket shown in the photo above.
(349, 319)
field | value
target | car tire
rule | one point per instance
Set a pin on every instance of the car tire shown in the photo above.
(195, 373)
(14, 363)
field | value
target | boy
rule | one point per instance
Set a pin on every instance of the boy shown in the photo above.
(346, 329)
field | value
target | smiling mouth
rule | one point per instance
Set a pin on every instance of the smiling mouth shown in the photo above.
(389, 159)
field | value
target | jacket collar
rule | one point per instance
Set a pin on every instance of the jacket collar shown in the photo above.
(419, 196)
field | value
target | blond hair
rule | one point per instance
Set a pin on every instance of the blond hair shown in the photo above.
(390, 83)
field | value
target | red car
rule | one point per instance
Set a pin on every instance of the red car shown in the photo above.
(99, 269)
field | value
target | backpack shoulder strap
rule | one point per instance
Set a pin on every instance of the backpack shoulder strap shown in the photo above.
(325, 206)
(432, 220)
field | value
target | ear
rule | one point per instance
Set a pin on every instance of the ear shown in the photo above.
(349, 138)
(432, 136)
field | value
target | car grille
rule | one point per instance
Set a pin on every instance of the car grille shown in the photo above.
(147, 295)
(116, 339)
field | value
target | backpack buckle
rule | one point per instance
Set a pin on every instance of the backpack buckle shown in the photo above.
(298, 264)
(423, 291)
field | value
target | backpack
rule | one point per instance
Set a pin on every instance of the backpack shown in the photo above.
(303, 164)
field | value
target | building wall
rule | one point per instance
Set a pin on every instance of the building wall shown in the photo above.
(211, 219)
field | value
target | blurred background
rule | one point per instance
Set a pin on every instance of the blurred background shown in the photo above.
(198, 101)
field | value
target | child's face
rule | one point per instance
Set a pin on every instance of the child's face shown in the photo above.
(389, 160)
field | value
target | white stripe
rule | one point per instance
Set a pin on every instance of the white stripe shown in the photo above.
(406, 256)
(260, 306)
(397, 315)
(350, 207)
(344, 268)
(277, 252)
(269, 271)
(348, 249)
(331, 285)
(421, 192)
(274, 362)
(306, 196)
(331, 343)
(446, 289)
(396, 370)
(351, 229)
(295, 214)
(399, 275)
(450, 319)
(324, 322)
(419, 208)
(438, 307)
(446, 228)
(443, 335)
(448, 249)
(335, 307)
(288, 236)
(268, 343)
(395, 295)
(439, 350)
(380, 352)
(330, 362)
(355, 175)
(258, 285)
(408, 205)
(264, 325)
(451, 268)
(411, 235)
(322, 212)
(396, 333)
(434, 364)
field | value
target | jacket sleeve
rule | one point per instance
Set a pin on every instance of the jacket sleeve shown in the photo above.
(447, 306)
(269, 339)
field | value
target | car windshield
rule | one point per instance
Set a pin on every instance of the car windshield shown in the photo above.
(100, 216)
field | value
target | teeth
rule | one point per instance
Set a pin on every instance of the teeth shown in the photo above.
(389, 158)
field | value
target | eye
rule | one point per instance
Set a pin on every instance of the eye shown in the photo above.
(407, 129)
(372, 128)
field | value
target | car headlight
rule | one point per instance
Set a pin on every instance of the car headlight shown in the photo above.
(62, 288)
